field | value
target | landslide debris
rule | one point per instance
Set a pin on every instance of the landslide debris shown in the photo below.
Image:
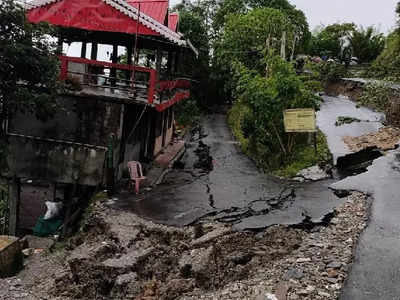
(121, 256)
(387, 138)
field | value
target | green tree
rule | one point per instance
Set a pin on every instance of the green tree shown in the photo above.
(266, 98)
(29, 68)
(237, 7)
(193, 24)
(328, 41)
(367, 43)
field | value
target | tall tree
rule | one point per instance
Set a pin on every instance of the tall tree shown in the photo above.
(367, 43)
(29, 68)
(329, 40)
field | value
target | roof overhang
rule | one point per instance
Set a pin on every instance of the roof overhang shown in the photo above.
(123, 7)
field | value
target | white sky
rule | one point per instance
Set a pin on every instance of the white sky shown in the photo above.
(362, 12)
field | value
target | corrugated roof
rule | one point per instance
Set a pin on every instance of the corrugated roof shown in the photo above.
(128, 10)
(156, 10)
(173, 20)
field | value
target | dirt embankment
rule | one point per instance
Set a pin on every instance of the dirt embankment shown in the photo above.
(354, 90)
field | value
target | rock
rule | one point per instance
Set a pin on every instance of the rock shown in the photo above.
(197, 261)
(240, 258)
(313, 173)
(129, 260)
(174, 288)
(334, 265)
(303, 260)
(282, 290)
(332, 273)
(324, 295)
(28, 252)
(293, 273)
(126, 285)
(332, 280)
(211, 236)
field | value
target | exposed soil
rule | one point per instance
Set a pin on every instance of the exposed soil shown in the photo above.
(387, 138)
(121, 256)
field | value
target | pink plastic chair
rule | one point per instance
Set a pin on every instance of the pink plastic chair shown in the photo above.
(136, 174)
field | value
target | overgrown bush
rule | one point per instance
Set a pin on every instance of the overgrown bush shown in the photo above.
(331, 71)
(257, 116)
(387, 65)
(187, 112)
(376, 96)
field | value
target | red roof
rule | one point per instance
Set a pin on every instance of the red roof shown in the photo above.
(173, 20)
(156, 10)
(103, 15)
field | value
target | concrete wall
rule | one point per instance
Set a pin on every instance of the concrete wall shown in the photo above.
(55, 162)
(166, 122)
(81, 121)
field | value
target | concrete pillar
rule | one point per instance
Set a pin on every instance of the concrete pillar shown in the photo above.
(14, 202)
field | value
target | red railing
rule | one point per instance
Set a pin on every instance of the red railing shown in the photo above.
(92, 73)
(95, 70)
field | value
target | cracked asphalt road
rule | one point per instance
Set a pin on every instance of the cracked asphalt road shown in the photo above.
(235, 191)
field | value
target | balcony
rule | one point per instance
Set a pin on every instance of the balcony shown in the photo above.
(124, 82)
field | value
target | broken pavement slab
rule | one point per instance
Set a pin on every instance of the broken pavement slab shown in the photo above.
(334, 107)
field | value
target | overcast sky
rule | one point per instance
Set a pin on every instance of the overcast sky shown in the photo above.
(362, 12)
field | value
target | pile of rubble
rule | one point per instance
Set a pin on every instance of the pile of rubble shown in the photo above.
(120, 256)
(387, 138)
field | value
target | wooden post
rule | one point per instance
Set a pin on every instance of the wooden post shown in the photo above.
(83, 50)
(14, 201)
(114, 60)
(315, 143)
(93, 54)
(68, 196)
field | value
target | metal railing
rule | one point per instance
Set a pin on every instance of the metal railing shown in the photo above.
(117, 79)
(114, 78)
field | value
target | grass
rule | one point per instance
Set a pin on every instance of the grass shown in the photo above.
(304, 157)
(341, 120)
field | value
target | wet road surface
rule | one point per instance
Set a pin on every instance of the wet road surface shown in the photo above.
(334, 107)
(376, 270)
(235, 191)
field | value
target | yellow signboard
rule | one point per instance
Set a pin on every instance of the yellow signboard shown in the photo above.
(300, 120)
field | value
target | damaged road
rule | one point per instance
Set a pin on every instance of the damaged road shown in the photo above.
(375, 273)
(216, 181)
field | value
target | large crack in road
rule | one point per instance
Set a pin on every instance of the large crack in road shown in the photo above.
(216, 181)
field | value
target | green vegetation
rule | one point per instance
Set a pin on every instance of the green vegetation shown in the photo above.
(342, 41)
(328, 41)
(187, 113)
(367, 44)
(377, 96)
(341, 120)
(387, 65)
(304, 157)
(26, 56)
